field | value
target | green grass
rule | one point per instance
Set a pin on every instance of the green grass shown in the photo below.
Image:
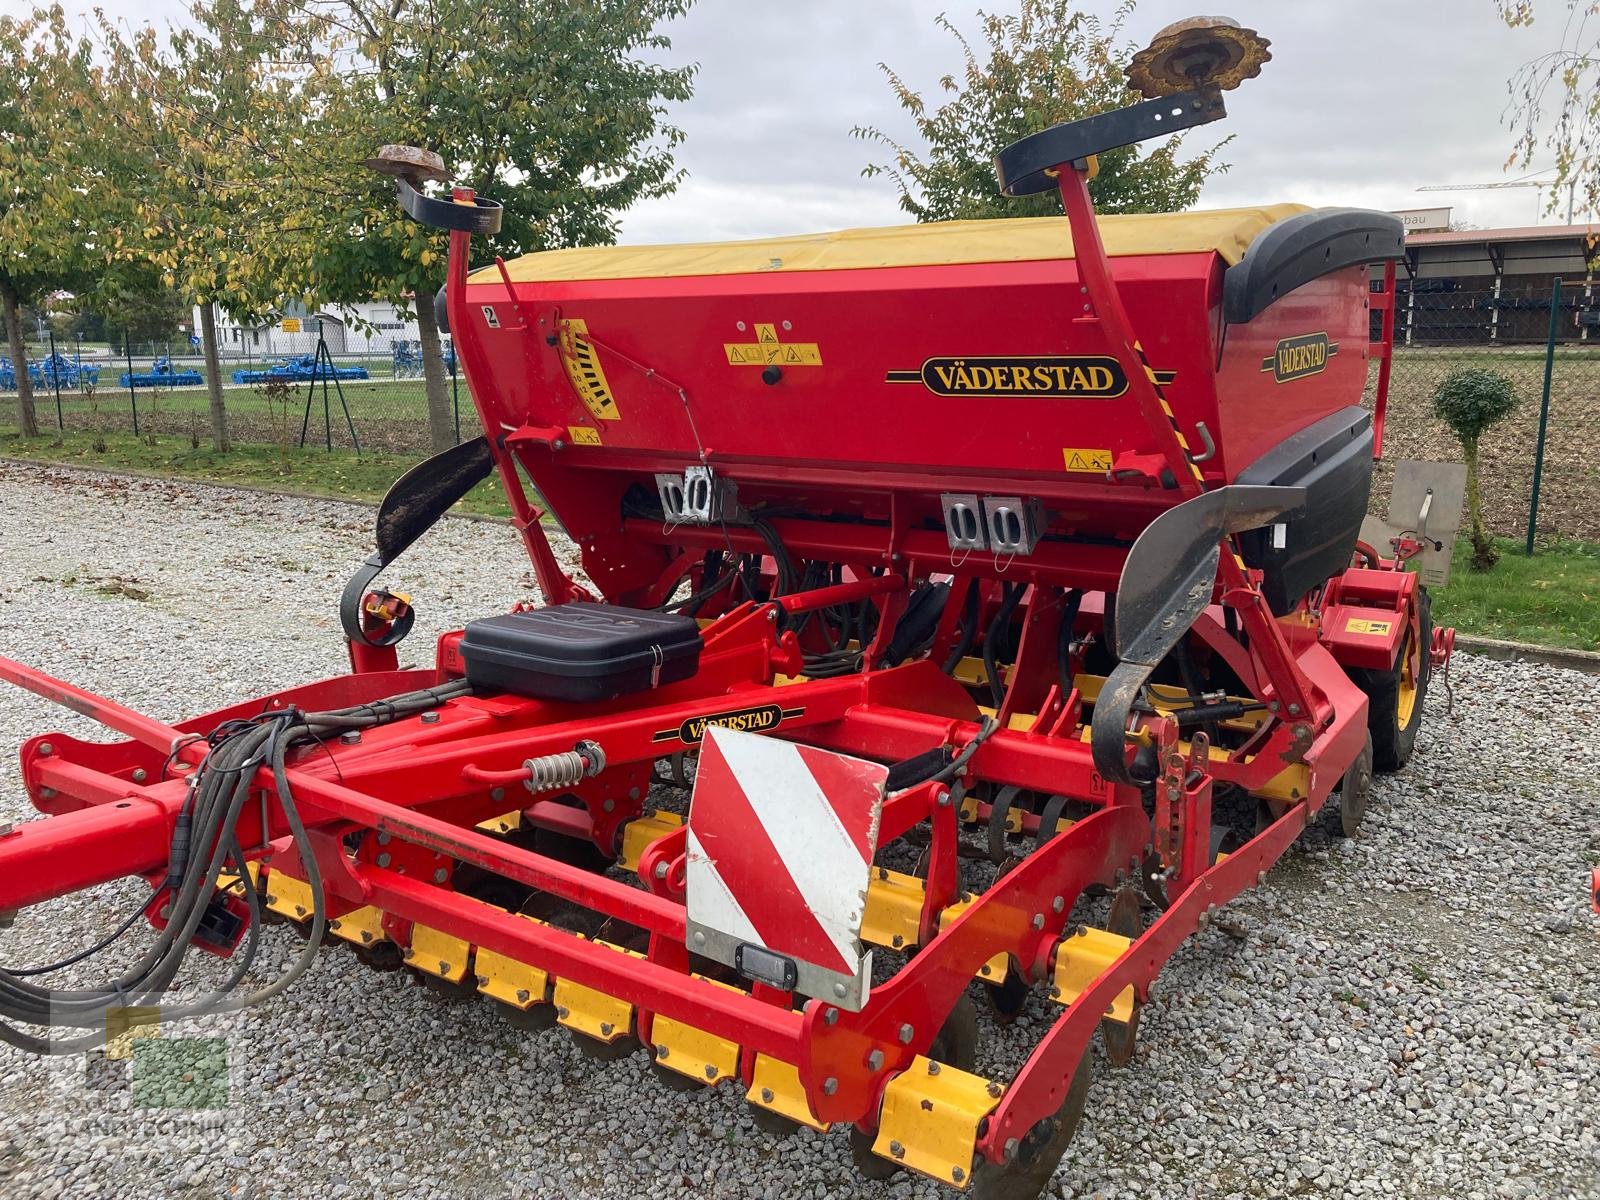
(379, 394)
(340, 474)
(1552, 599)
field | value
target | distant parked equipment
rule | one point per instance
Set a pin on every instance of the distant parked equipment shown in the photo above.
(300, 369)
(161, 374)
(406, 358)
(59, 370)
(53, 370)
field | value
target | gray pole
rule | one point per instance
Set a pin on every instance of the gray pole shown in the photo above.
(1544, 413)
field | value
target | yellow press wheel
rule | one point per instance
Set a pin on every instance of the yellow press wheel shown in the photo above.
(1395, 696)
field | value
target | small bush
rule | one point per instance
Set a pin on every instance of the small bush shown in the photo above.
(1470, 401)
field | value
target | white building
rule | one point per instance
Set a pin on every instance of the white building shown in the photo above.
(367, 328)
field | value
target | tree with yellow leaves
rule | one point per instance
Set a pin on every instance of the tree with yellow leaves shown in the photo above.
(202, 123)
(1049, 61)
(53, 189)
(556, 109)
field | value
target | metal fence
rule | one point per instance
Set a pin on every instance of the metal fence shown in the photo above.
(1528, 332)
(373, 401)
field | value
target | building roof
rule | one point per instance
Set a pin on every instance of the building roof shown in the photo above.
(1520, 233)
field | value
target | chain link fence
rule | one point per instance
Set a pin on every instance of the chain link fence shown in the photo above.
(1440, 328)
(368, 400)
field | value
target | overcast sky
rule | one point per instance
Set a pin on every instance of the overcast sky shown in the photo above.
(1363, 101)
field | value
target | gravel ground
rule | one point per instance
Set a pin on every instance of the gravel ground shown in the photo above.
(1413, 1013)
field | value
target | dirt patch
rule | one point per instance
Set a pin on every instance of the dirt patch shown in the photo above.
(1569, 502)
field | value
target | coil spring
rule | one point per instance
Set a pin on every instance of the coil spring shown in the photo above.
(567, 769)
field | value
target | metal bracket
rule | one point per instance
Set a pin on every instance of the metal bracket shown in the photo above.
(964, 525)
(481, 216)
(1167, 581)
(1028, 165)
(1015, 524)
(697, 497)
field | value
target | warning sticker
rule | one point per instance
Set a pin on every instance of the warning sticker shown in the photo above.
(752, 354)
(1362, 625)
(768, 349)
(1091, 462)
(584, 435)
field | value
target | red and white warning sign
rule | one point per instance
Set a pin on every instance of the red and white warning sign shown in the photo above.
(780, 846)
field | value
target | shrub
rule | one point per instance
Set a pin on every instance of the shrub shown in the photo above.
(1471, 400)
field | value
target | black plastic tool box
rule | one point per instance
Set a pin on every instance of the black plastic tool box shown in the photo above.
(580, 651)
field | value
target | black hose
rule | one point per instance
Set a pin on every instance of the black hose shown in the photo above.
(969, 629)
(985, 732)
(1010, 595)
(1069, 619)
(219, 789)
(1192, 683)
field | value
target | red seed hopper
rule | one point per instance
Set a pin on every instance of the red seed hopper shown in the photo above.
(967, 610)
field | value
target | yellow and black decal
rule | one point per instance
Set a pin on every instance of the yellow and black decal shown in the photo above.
(758, 718)
(1060, 376)
(1089, 461)
(582, 363)
(769, 350)
(1299, 356)
(1368, 626)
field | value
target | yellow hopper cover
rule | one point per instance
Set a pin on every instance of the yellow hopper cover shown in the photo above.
(1226, 232)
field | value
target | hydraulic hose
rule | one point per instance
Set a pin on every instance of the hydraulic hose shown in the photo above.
(203, 846)
(991, 640)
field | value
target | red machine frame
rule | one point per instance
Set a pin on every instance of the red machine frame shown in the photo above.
(114, 806)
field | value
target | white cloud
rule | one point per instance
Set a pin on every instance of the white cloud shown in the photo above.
(1364, 101)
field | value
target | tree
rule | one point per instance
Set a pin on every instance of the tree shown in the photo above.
(550, 107)
(51, 190)
(1047, 64)
(1470, 400)
(204, 123)
(1567, 81)
(135, 304)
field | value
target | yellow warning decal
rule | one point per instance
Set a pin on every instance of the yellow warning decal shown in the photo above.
(1093, 462)
(770, 350)
(582, 363)
(583, 435)
(1362, 625)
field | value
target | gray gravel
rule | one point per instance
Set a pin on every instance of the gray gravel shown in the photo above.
(1414, 1013)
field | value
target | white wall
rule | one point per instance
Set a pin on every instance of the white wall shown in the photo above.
(367, 328)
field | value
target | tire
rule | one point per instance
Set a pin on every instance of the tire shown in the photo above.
(1394, 733)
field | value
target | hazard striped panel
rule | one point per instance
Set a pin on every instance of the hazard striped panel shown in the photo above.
(779, 856)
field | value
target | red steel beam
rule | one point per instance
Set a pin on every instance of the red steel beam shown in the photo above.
(754, 1024)
(153, 733)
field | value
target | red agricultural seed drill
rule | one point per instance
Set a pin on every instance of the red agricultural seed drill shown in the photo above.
(1000, 581)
